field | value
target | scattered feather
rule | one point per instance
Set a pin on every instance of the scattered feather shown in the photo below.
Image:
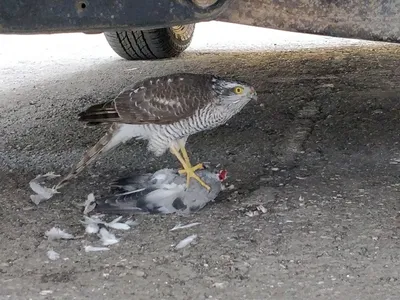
(219, 285)
(180, 226)
(92, 228)
(132, 222)
(262, 208)
(95, 249)
(89, 208)
(91, 223)
(42, 192)
(107, 238)
(92, 220)
(53, 255)
(58, 234)
(36, 199)
(120, 226)
(49, 175)
(394, 161)
(117, 225)
(186, 241)
(115, 220)
(326, 85)
(89, 204)
(252, 213)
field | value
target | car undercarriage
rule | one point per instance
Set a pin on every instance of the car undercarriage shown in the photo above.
(155, 29)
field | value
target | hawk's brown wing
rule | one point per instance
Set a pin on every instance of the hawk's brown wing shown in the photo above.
(162, 100)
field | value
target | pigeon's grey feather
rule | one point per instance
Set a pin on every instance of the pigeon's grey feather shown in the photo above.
(163, 192)
(134, 183)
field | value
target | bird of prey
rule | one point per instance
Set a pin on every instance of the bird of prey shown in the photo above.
(162, 192)
(165, 111)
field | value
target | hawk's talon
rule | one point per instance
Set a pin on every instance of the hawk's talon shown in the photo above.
(187, 167)
(194, 169)
(190, 174)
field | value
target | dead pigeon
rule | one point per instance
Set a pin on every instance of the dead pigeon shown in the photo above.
(163, 192)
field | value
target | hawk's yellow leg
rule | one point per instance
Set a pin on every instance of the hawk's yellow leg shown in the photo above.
(188, 169)
(187, 160)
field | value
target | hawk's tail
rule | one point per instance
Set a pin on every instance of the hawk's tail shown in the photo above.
(100, 113)
(116, 135)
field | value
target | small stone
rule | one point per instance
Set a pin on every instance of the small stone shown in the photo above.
(140, 273)
(231, 187)
(46, 292)
(219, 285)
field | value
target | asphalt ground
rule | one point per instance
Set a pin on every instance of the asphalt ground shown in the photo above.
(319, 152)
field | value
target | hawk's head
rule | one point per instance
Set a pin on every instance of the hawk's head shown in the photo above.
(233, 92)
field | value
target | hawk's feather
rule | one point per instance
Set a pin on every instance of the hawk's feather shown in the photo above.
(162, 100)
(100, 113)
(116, 134)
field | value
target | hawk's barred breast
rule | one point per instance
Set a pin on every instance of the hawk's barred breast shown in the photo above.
(161, 136)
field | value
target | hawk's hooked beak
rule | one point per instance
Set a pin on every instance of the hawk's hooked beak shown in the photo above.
(253, 94)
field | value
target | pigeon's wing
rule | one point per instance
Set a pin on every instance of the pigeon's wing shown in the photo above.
(165, 200)
(152, 200)
(162, 100)
(140, 181)
(130, 183)
(128, 203)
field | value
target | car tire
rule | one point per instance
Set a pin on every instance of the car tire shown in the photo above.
(151, 44)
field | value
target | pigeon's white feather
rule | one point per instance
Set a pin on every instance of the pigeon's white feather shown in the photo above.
(107, 238)
(185, 242)
(165, 195)
(95, 249)
(42, 192)
(56, 233)
(53, 255)
(180, 226)
(92, 228)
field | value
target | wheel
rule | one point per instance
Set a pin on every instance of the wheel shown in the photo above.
(151, 44)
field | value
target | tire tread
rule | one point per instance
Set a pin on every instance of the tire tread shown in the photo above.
(147, 44)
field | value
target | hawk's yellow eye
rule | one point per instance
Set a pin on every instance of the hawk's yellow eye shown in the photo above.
(238, 90)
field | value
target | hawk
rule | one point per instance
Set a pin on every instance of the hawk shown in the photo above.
(165, 111)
